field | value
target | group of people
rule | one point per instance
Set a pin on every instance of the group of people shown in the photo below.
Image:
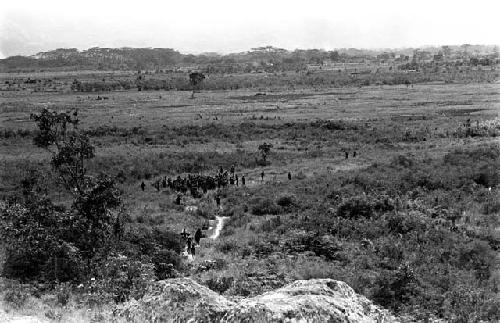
(346, 154)
(190, 242)
(197, 183)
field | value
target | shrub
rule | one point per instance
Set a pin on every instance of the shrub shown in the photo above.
(227, 246)
(286, 201)
(165, 262)
(402, 160)
(326, 246)
(488, 176)
(396, 289)
(491, 206)
(271, 224)
(478, 256)
(143, 240)
(355, 207)
(123, 278)
(262, 206)
(16, 295)
(402, 223)
(63, 294)
(465, 304)
(219, 284)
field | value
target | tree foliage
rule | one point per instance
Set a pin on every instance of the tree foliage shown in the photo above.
(49, 241)
(265, 150)
(196, 79)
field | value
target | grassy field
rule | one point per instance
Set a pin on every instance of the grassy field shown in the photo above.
(411, 222)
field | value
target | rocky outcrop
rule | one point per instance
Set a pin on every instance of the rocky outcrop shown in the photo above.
(12, 318)
(315, 300)
(176, 300)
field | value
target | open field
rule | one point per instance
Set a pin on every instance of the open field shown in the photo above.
(411, 221)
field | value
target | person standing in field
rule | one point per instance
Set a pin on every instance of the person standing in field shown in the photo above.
(243, 180)
(262, 176)
(143, 186)
(289, 176)
(197, 236)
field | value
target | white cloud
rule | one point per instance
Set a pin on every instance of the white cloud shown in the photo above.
(223, 25)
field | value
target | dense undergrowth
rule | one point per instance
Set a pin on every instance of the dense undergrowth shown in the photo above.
(416, 236)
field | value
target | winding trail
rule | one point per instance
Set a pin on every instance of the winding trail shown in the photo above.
(218, 227)
(254, 181)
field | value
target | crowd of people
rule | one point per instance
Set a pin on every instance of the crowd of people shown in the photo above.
(197, 184)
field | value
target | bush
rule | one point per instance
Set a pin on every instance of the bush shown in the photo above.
(227, 246)
(219, 284)
(465, 304)
(166, 261)
(488, 176)
(16, 296)
(63, 294)
(491, 206)
(402, 160)
(286, 201)
(262, 206)
(477, 256)
(395, 289)
(123, 278)
(403, 223)
(355, 207)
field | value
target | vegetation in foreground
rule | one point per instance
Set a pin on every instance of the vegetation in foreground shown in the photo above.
(416, 232)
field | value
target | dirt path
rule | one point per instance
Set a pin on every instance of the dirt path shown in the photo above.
(218, 227)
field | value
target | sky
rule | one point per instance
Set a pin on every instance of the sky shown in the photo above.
(194, 26)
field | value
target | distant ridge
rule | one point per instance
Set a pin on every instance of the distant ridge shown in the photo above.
(97, 58)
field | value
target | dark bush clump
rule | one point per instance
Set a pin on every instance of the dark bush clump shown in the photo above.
(355, 207)
(286, 201)
(262, 206)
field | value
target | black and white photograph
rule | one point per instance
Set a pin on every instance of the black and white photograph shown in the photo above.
(249, 161)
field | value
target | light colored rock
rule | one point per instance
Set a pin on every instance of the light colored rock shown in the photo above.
(176, 300)
(11, 318)
(315, 300)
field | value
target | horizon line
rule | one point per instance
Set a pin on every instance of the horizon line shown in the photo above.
(221, 53)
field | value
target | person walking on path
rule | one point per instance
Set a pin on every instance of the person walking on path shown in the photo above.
(197, 236)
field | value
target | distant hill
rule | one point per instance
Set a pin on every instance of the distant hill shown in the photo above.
(166, 58)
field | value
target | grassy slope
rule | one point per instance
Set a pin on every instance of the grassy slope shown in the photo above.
(379, 115)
